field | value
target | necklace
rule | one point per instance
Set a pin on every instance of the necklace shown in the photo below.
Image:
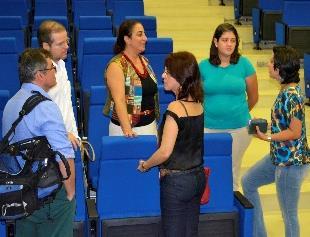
(141, 75)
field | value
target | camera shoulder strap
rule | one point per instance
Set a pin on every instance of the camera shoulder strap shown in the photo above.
(28, 106)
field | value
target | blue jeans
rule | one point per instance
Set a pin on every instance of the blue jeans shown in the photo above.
(180, 195)
(288, 180)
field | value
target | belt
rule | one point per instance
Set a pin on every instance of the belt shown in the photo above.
(164, 172)
(145, 112)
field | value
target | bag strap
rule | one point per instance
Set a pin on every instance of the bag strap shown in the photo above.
(28, 106)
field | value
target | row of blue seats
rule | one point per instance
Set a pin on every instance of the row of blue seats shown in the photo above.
(124, 193)
(285, 22)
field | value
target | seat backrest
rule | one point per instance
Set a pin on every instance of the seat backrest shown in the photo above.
(16, 8)
(307, 74)
(11, 26)
(97, 52)
(80, 211)
(270, 4)
(123, 191)
(157, 49)
(4, 97)
(88, 8)
(148, 22)
(92, 27)
(97, 126)
(296, 13)
(126, 8)
(54, 8)
(9, 65)
(217, 156)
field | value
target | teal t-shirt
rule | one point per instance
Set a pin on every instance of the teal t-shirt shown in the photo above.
(225, 99)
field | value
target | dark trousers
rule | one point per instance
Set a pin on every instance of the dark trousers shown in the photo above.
(180, 195)
(52, 220)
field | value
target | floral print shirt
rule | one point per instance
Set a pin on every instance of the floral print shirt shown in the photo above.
(289, 104)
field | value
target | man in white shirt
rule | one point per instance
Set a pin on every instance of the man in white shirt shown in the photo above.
(53, 37)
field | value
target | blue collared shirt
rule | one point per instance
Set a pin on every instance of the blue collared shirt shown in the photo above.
(44, 120)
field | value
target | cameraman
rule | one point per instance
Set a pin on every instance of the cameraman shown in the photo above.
(37, 73)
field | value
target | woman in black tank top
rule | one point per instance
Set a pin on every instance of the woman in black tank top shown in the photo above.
(180, 153)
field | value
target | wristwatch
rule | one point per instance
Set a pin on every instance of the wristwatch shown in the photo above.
(269, 138)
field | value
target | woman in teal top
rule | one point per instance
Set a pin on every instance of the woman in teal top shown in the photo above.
(231, 91)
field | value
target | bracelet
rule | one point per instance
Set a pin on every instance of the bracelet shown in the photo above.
(269, 138)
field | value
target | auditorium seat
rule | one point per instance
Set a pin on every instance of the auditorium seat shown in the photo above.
(9, 65)
(264, 17)
(157, 49)
(20, 8)
(80, 225)
(11, 26)
(4, 97)
(124, 192)
(148, 22)
(97, 126)
(243, 9)
(122, 8)
(97, 52)
(294, 29)
(91, 26)
(307, 74)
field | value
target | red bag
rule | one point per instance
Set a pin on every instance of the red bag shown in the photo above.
(206, 194)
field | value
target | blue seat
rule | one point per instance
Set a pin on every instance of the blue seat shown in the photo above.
(307, 74)
(4, 97)
(148, 22)
(80, 191)
(97, 52)
(243, 8)
(9, 65)
(122, 8)
(98, 126)
(124, 192)
(157, 49)
(217, 156)
(20, 8)
(87, 8)
(51, 8)
(12, 26)
(264, 17)
(91, 27)
(2, 229)
(294, 29)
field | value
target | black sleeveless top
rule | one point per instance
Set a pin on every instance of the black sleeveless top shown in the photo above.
(188, 149)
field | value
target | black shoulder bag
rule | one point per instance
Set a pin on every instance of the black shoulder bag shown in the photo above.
(26, 189)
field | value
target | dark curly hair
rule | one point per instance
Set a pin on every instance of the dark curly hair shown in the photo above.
(214, 56)
(286, 60)
(184, 68)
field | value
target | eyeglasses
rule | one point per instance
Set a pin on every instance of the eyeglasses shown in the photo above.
(49, 69)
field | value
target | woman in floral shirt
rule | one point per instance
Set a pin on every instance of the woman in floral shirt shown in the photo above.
(288, 161)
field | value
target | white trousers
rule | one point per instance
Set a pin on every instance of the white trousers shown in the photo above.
(150, 129)
(241, 141)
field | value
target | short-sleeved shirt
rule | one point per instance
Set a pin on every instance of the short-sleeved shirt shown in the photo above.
(44, 120)
(225, 100)
(289, 104)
